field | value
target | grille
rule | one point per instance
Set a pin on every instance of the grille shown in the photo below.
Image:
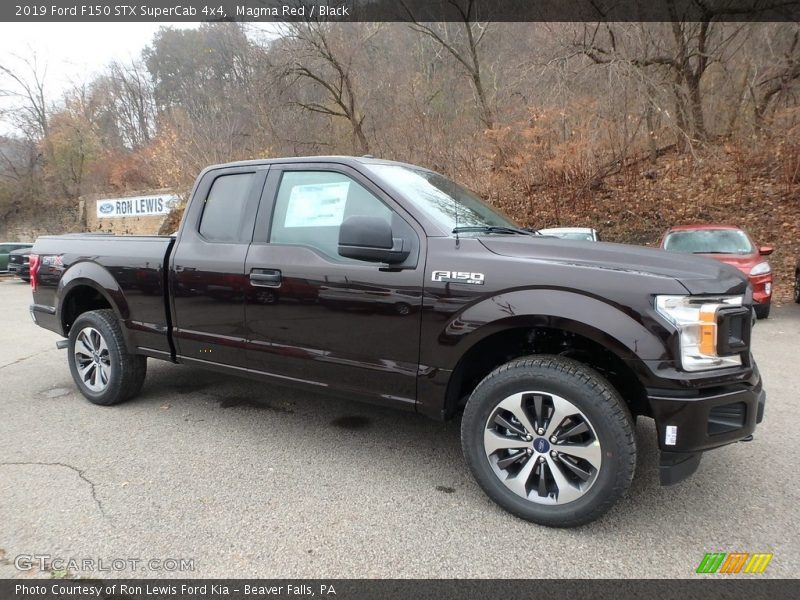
(725, 418)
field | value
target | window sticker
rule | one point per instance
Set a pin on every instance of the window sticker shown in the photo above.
(317, 205)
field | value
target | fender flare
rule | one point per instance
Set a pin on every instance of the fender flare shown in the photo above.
(611, 326)
(86, 273)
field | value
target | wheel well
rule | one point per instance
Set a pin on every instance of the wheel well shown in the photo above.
(504, 346)
(81, 299)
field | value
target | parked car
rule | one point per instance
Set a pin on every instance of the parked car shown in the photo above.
(731, 245)
(18, 263)
(550, 348)
(797, 282)
(572, 233)
(5, 249)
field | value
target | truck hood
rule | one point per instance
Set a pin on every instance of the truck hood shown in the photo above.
(697, 274)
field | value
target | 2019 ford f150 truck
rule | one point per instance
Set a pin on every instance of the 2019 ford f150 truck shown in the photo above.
(390, 283)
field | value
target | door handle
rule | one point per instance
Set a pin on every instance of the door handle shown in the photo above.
(265, 277)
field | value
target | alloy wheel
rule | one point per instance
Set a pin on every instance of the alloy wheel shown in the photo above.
(542, 447)
(92, 359)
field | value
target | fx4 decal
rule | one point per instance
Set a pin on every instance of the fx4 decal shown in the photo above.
(458, 277)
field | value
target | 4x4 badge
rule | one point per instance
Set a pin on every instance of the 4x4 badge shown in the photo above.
(458, 277)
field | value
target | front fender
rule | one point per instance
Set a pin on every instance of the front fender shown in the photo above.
(446, 342)
(617, 328)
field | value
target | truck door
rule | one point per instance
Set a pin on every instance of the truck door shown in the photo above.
(207, 277)
(313, 316)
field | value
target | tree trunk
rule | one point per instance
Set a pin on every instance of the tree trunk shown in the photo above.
(696, 108)
(360, 143)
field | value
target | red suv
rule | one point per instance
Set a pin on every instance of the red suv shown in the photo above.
(731, 245)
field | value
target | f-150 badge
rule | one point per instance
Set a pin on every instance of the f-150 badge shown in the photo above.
(458, 277)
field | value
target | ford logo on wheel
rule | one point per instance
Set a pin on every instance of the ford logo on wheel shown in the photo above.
(541, 445)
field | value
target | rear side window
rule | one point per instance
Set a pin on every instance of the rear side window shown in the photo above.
(224, 208)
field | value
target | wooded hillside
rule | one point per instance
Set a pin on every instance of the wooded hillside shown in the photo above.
(628, 127)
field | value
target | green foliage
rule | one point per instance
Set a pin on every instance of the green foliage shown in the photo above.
(191, 68)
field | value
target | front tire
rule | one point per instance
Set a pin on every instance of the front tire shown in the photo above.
(99, 361)
(549, 440)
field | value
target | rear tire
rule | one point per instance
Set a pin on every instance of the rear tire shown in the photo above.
(521, 463)
(99, 361)
(762, 310)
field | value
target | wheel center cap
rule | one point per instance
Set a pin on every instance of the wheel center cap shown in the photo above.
(541, 445)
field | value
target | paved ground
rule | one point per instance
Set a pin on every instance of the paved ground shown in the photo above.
(259, 481)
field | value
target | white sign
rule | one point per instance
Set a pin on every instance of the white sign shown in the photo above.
(671, 435)
(317, 205)
(136, 206)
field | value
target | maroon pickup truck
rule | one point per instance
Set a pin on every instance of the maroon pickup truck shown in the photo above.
(390, 283)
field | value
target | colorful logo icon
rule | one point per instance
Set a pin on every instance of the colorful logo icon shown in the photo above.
(735, 562)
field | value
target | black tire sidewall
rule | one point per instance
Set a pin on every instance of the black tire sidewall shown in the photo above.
(763, 310)
(113, 392)
(610, 432)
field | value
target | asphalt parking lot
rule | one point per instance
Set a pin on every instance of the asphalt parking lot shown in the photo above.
(250, 480)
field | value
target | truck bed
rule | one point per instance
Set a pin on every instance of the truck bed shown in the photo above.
(129, 271)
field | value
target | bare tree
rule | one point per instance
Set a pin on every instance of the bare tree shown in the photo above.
(317, 57)
(780, 78)
(462, 41)
(683, 56)
(25, 87)
(132, 90)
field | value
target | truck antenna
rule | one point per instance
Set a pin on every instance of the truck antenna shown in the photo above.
(455, 229)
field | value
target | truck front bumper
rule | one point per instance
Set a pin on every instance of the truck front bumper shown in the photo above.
(690, 425)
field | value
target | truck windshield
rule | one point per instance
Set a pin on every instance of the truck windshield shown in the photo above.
(443, 200)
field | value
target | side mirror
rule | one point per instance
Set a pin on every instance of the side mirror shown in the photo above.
(370, 239)
(765, 250)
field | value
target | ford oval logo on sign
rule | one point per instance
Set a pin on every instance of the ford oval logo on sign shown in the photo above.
(106, 208)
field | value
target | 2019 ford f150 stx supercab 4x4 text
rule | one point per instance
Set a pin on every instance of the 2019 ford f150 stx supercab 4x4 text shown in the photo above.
(390, 283)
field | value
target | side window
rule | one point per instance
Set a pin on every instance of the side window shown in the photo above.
(311, 206)
(224, 208)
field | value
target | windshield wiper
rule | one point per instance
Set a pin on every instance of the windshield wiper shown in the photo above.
(494, 229)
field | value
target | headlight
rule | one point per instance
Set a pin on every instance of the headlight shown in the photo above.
(696, 321)
(761, 268)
